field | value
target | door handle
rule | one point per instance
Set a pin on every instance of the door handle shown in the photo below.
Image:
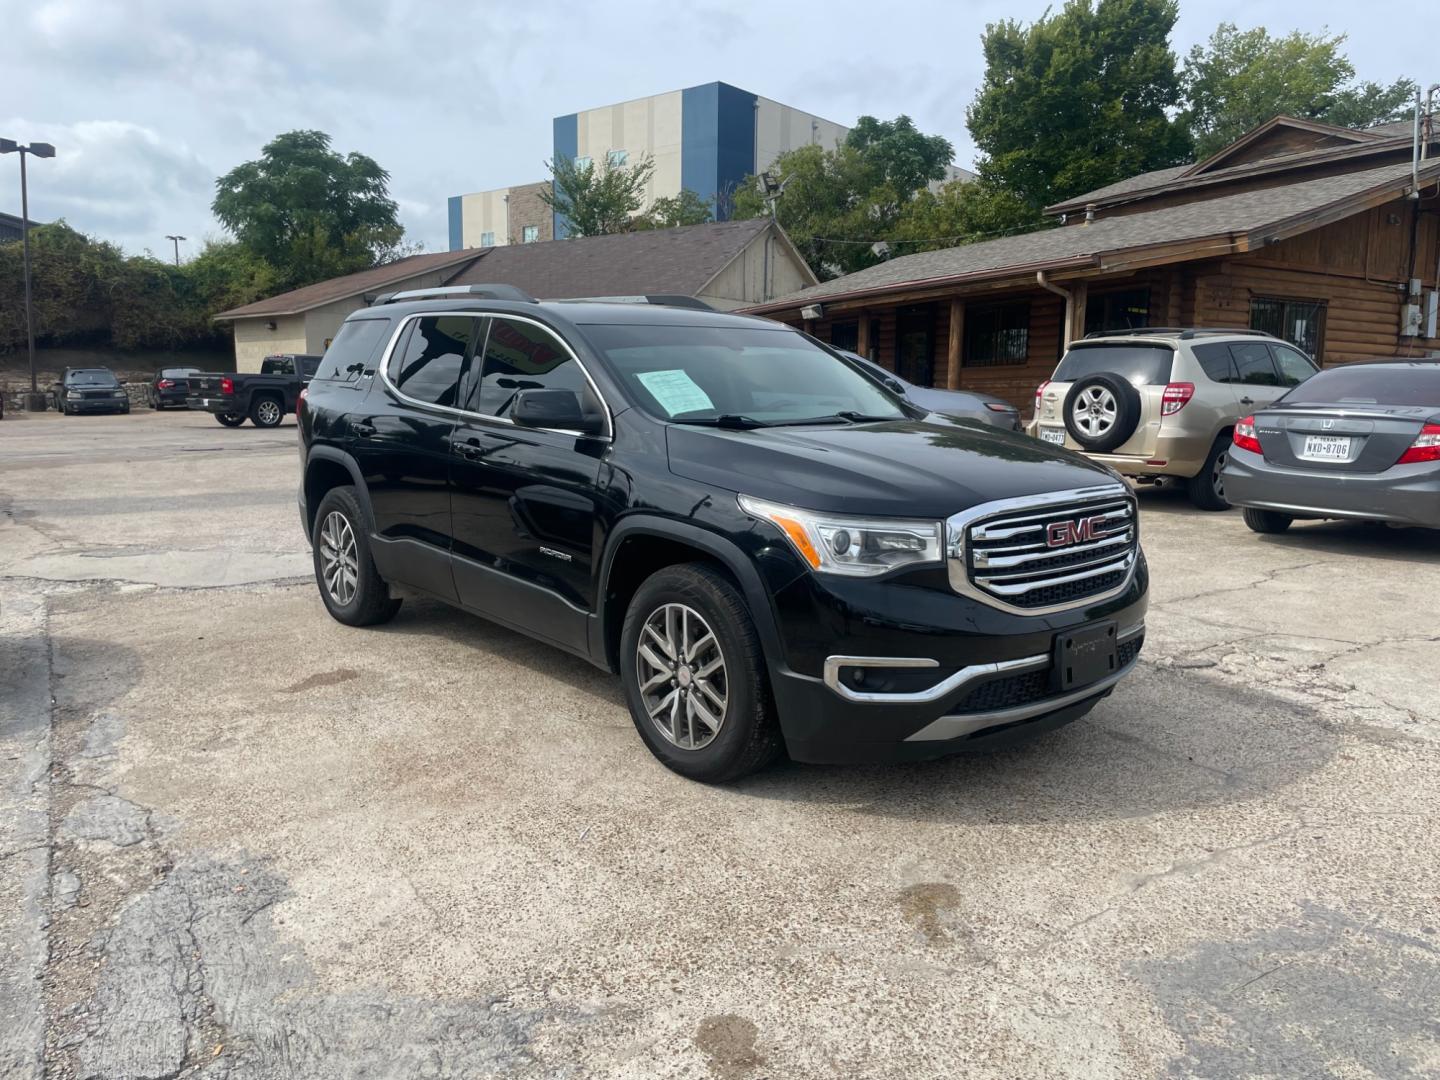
(1247, 401)
(469, 451)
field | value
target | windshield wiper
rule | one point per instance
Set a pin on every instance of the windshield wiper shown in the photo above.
(724, 420)
(850, 416)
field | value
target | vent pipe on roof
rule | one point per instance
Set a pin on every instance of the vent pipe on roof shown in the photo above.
(1089, 213)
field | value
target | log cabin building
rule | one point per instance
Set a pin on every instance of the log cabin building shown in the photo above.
(1327, 237)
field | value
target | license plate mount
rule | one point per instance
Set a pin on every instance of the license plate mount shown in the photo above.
(1054, 436)
(1326, 448)
(1086, 655)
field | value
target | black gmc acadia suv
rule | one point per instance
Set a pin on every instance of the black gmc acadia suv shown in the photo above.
(773, 552)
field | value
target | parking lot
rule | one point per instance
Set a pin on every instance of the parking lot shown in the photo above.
(239, 839)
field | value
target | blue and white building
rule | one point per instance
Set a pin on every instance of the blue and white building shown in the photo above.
(705, 138)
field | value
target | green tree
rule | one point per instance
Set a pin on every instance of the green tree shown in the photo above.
(1079, 99)
(672, 211)
(1240, 78)
(837, 203)
(310, 212)
(596, 200)
(960, 213)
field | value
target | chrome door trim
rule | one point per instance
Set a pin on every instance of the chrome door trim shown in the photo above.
(399, 331)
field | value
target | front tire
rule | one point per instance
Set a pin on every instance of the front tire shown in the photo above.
(230, 419)
(1266, 521)
(1207, 487)
(266, 412)
(694, 676)
(351, 588)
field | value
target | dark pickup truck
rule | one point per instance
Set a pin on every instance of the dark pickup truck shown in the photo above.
(265, 397)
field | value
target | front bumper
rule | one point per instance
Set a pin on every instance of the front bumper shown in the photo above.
(992, 681)
(1403, 494)
(97, 405)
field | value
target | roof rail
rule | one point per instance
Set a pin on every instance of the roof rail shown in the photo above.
(1185, 333)
(679, 300)
(483, 292)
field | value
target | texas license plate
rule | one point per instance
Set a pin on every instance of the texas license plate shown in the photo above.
(1052, 435)
(1326, 448)
(1086, 655)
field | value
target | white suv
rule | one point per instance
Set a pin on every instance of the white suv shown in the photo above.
(1163, 402)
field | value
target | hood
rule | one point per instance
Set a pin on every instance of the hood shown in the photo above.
(903, 468)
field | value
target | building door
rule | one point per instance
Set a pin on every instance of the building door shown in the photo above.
(915, 344)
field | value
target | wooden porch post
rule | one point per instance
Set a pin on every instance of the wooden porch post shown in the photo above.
(862, 340)
(957, 336)
(1075, 310)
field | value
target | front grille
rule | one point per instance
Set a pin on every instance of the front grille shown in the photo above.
(1017, 691)
(1032, 555)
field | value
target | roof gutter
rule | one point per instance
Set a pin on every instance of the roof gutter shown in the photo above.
(1059, 290)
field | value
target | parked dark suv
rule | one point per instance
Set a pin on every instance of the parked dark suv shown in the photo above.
(772, 551)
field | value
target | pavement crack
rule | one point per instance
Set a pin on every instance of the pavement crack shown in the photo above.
(1266, 578)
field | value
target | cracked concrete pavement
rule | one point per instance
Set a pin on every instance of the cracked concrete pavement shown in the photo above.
(240, 840)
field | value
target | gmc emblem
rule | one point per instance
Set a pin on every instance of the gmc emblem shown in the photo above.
(1066, 533)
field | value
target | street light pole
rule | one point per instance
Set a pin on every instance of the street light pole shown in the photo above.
(176, 240)
(42, 150)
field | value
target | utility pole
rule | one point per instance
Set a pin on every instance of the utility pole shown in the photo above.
(176, 240)
(41, 150)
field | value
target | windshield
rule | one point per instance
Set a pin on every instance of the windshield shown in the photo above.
(1364, 385)
(699, 373)
(1139, 365)
(91, 378)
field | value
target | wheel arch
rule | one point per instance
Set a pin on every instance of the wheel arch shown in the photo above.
(326, 468)
(641, 545)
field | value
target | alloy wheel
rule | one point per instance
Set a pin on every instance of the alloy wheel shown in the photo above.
(1095, 411)
(683, 682)
(268, 412)
(339, 558)
(1217, 475)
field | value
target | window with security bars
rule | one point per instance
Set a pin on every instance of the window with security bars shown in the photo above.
(1300, 322)
(997, 334)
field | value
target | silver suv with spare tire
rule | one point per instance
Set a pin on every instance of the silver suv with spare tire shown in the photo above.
(1163, 402)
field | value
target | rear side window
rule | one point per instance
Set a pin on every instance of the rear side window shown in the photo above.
(1364, 384)
(1139, 365)
(353, 351)
(1253, 364)
(429, 366)
(1216, 362)
(523, 356)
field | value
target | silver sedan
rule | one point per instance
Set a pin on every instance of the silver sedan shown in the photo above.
(1360, 442)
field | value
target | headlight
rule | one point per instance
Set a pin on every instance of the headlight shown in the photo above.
(73, 394)
(853, 546)
(117, 393)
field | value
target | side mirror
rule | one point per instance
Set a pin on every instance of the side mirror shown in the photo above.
(553, 409)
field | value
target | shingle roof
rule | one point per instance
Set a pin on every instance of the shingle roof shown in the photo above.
(1223, 217)
(681, 260)
(1138, 182)
(375, 279)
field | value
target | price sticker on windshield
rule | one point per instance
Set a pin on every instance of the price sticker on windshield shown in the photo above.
(676, 392)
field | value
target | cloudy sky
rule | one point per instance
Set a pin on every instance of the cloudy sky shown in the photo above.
(148, 101)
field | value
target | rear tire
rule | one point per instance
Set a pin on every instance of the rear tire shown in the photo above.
(1207, 487)
(266, 412)
(230, 419)
(1101, 412)
(350, 587)
(729, 667)
(1266, 521)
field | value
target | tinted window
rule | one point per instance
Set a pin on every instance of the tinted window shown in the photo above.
(178, 372)
(429, 366)
(308, 364)
(1253, 364)
(91, 378)
(1139, 365)
(1294, 366)
(277, 365)
(1364, 384)
(775, 376)
(523, 356)
(1215, 360)
(352, 353)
